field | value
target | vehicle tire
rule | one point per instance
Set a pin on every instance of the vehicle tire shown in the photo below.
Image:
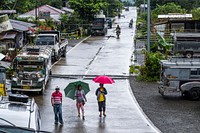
(42, 91)
(64, 52)
(50, 72)
(56, 58)
(189, 55)
(194, 94)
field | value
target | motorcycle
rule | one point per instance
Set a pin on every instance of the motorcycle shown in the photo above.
(130, 25)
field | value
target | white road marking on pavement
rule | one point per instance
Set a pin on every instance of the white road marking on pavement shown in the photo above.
(78, 44)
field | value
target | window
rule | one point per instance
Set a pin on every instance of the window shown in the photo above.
(195, 71)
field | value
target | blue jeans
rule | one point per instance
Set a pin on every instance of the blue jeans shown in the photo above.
(57, 108)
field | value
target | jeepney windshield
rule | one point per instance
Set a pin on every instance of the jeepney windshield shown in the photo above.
(45, 40)
(30, 66)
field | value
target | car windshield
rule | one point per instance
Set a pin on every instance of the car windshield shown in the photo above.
(45, 40)
(98, 21)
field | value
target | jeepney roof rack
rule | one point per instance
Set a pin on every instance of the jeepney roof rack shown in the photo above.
(18, 99)
(181, 59)
(181, 62)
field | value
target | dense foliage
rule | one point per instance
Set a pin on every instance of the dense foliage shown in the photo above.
(186, 4)
(87, 8)
(196, 14)
(165, 9)
(151, 70)
(22, 6)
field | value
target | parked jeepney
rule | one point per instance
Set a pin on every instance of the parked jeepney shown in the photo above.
(180, 75)
(32, 67)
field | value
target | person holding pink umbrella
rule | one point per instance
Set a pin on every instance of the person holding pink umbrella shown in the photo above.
(101, 98)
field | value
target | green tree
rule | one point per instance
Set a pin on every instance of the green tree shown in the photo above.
(86, 9)
(151, 70)
(114, 6)
(196, 14)
(165, 9)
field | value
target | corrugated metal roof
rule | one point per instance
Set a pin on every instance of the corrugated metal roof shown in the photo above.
(7, 11)
(68, 9)
(9, 35)
(184, 34)
(175, 16)
(44, 8)
(20, 25)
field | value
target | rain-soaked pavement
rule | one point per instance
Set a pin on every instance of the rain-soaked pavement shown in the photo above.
(98, 56)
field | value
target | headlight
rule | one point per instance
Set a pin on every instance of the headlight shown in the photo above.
(40, 79)
(14, 79)
(33, 76)
(20, 75)
(39, 75)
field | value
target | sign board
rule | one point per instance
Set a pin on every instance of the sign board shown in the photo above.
(5, 23)
(44, 15)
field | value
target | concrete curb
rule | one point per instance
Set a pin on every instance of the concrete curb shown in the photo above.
(141, 111)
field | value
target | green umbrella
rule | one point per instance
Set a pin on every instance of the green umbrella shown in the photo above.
(72, 87)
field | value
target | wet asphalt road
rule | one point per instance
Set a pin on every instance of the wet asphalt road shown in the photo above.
(172, 113)
(97, 56)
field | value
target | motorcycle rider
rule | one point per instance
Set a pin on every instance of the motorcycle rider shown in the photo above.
(131, 23)
(119, 15)
(118, 31)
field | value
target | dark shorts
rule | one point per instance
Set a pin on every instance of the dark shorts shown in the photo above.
(102, 106)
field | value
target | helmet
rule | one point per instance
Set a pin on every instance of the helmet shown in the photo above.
(57, 88)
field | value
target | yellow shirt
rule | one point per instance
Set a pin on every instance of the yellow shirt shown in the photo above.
(101, 96)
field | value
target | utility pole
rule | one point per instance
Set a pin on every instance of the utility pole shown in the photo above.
(36, 17)
(148, 26)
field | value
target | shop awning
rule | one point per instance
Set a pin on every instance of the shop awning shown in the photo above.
(8, 35)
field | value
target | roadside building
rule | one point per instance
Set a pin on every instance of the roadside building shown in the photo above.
(177, 22)
(15, 37)
(44, 12)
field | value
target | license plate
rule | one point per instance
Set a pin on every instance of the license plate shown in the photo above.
(26, 87)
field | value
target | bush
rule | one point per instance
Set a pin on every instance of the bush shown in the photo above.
(151, 70)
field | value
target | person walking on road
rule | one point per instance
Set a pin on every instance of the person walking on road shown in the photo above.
(101, 98)
(80, 100)
(56, 101)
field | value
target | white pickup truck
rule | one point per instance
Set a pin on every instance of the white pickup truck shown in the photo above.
(53, 40)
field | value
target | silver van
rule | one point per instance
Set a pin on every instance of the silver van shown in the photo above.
(19, 113)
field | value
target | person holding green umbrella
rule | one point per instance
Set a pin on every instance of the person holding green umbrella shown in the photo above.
(80, 100)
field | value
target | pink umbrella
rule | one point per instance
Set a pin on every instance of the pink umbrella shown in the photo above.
(103, 80)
